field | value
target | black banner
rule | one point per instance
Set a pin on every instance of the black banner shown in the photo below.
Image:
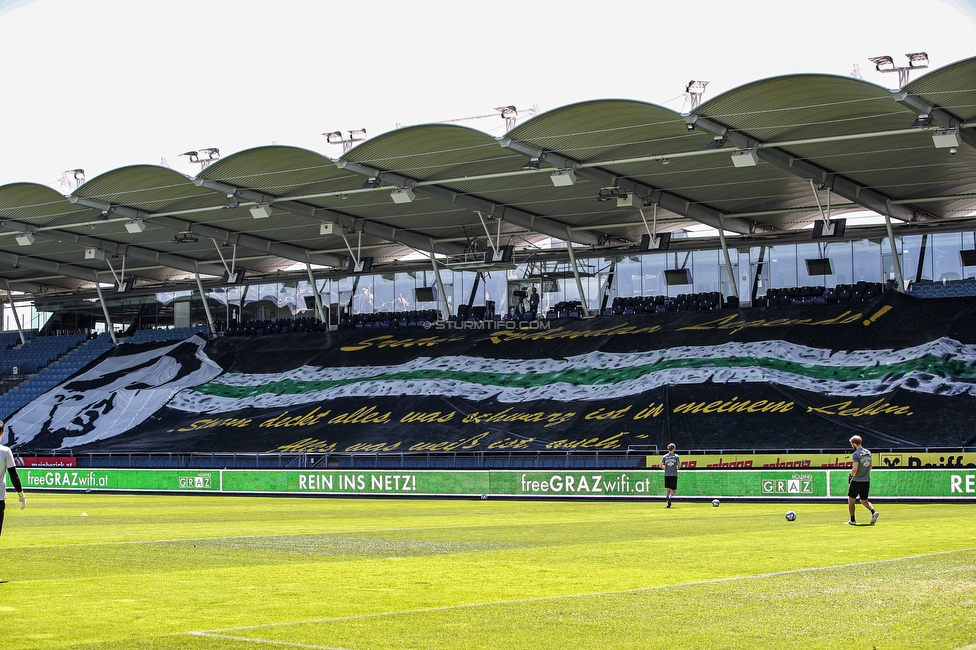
(899, 371)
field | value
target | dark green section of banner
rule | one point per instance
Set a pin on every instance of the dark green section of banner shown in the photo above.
(948, 483)
(799, 484)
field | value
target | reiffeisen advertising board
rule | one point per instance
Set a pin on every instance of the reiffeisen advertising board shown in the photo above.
(928, 484)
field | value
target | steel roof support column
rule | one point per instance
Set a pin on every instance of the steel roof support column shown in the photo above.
(315, 289)
(444, 306)
(733, 280)
(206, 307)
(894, 254)
(579, 282)
(108, 319)
(20, 331)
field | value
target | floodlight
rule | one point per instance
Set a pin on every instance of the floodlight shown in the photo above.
(918, 60)
(535, 163)
(371, 183)
(946, 138)
(922, 121)
(745, 158)
(563, 177)
(329, 228)
(25, 239)
(882, 61)
(261, 210)
(94, 254)
(629, 200)
(402, 195)
(135, 226)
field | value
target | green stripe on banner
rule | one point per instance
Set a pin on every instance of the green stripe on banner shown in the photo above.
(798, 484)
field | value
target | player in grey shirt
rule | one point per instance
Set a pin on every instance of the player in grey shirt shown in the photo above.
(670, 464)
(860, 480)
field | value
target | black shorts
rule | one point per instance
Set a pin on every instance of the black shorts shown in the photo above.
(859, 490)
(670, 482)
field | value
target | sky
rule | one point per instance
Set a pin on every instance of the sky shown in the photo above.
(103, 84)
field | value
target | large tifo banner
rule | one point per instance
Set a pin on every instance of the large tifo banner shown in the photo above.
(899, 371)
(754, 484)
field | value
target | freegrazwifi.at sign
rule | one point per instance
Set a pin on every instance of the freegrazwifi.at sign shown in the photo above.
(926, 483)
(710, 483)
(161, 480)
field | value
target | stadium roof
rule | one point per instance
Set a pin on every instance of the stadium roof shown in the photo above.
(763, 162)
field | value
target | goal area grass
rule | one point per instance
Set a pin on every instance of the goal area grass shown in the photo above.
(87, 571)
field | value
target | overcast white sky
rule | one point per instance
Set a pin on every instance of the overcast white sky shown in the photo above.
(103, 84)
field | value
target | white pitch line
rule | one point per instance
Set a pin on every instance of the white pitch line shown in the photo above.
(244, 639)
(694, 583)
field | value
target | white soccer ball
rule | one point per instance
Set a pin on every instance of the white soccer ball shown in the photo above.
(790, 515)
(715, 503)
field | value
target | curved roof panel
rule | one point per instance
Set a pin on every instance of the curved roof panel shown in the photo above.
(757, 160)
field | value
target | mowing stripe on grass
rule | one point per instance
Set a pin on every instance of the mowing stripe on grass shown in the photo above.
(244, 639)
(693, 583)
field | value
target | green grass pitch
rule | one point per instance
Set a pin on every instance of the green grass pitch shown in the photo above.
(142, 571)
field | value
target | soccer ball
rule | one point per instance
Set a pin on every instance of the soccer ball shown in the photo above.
(790, 515)
(715, 503)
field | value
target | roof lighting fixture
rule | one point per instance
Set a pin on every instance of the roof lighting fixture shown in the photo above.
(629, 200)
(883, 63)
(402, 195)
(921, 122)
(25, 239)
(916, 61)
(135, 226)
(946, 138)
(261, 210)
(371, 183)
(563, 177)
(695, 90)
(534, 163)
(745, 158)
(185, 238)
